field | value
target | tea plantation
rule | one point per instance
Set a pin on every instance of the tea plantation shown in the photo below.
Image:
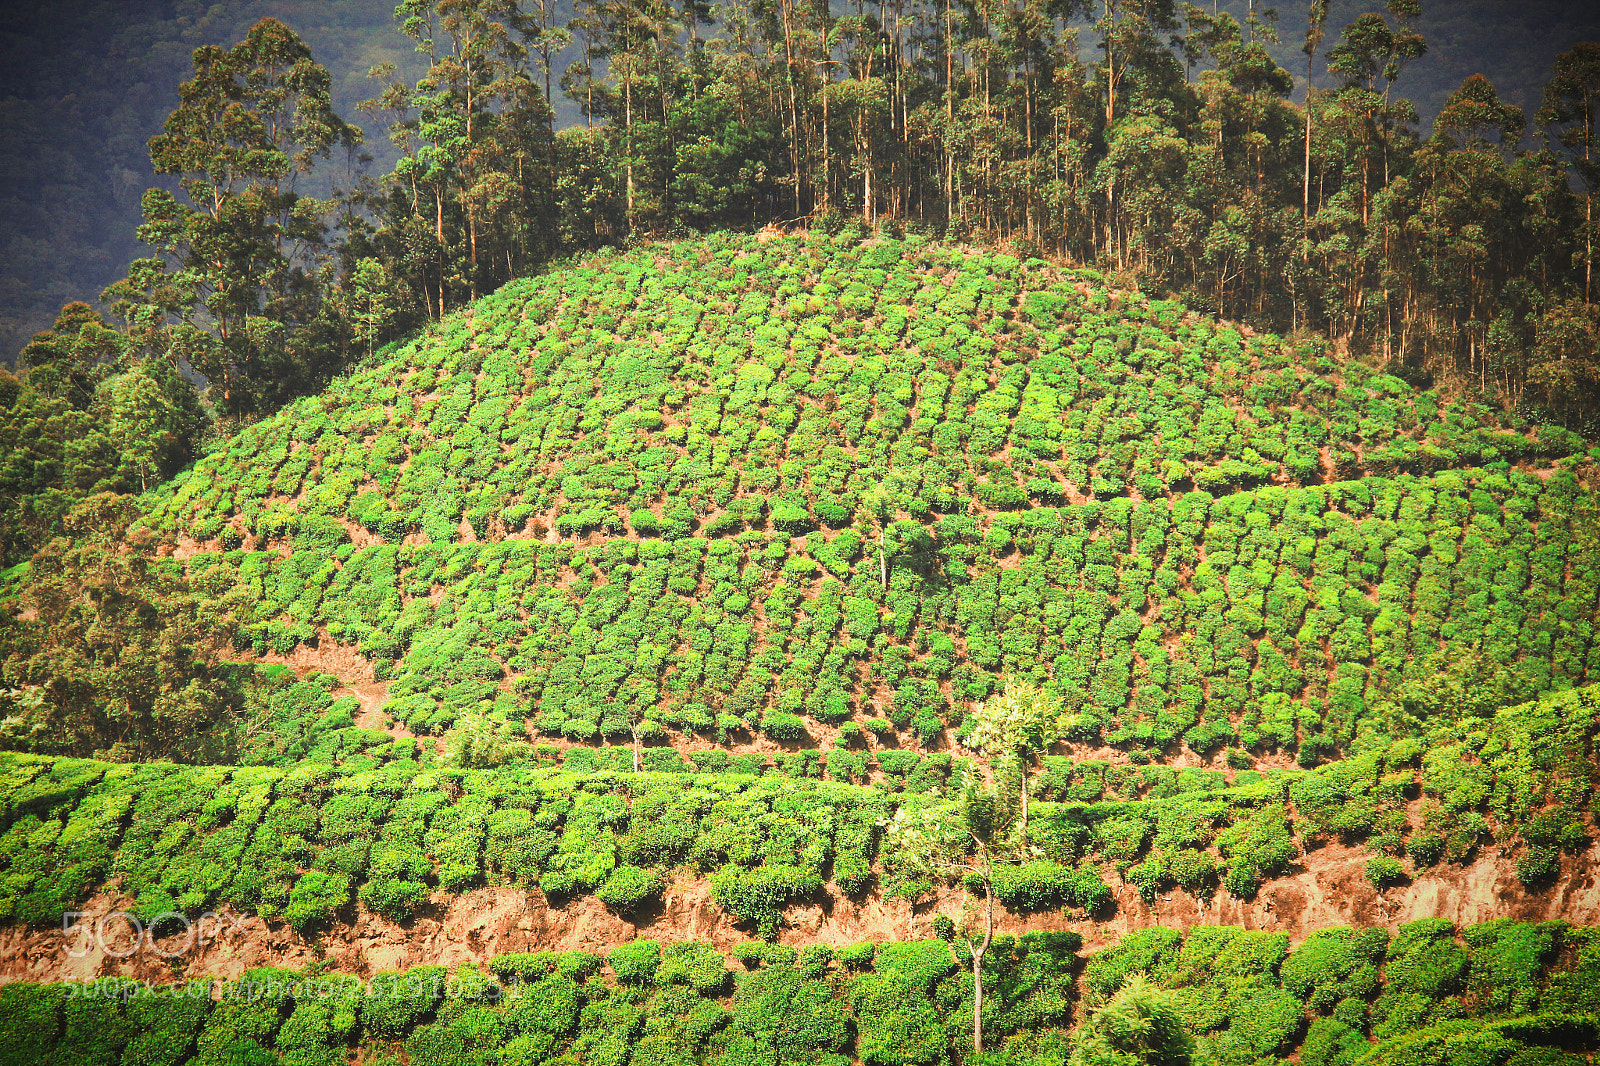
(692, 564)
(656, 488)
(1497, 992)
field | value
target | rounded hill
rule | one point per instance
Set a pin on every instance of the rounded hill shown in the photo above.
(829, 491)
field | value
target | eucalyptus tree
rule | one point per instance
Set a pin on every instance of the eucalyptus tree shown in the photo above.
(1018, 725)
(1369, 58)
(1571, 112)
(1316, 28)
(969, 838)
(478, 155)
(235, 275)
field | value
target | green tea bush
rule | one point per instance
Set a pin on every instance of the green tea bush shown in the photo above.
(316, 899)
(1424, 958)
(895, 1026)
(627, 888)
(29, 1020)
(636, 962)
(781, 1012)
(1037, 885)
(395, 1002)
(759, 895)
(1384, 871)
(695, 964)
(164, 1027)
(1507, 960)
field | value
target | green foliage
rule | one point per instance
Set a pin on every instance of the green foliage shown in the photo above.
(635, 962)
(1306, 602)
(316, 898)
(1037, 885)
(896, 1024)
(627, 887)
(759, 895)
(1139, 1024)
(781, 1015)
(1384, 871)
(28, 1022)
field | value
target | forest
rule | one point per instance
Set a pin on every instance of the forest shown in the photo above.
(882, 541)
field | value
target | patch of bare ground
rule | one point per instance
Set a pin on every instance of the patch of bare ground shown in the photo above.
(1327, 887)
(322, 654)
(370, 714)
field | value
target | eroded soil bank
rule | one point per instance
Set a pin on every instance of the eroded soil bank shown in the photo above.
(1326, 888)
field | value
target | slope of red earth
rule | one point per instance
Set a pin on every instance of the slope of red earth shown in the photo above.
(1326, 888)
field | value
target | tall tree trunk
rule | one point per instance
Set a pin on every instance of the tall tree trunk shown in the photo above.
(627, 123)
(795, 160)
(949, 110)
(438, 215)
(977, 958)
(1022, 826)
(1305, 192)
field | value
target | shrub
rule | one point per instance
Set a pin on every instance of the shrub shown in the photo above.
(164, 1027)
(396, 884)
(636, 962)
(1316, 971)
(857, 956)
(1507, 958)
(1264, 1022)
(693, 963)
(95, 1030)
(1122, 839)
(896, 1023)
(1148, 877)
(759, 895)
(1538, 866)
(782, 726)
(709, 762)
(395, 1002)
(813, 961)
(1425, 959)
(1425, 849)
(628, 887)
(29, 1019)
(1142, 951)
(1384, 871)
(787, 1016)
(316, 898)
(1033, 886)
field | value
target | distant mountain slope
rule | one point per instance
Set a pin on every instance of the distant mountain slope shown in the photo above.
(652, 488)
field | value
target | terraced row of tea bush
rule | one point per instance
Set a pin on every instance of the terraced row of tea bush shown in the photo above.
(1497, 993)
(1271, 618)
(310, 841)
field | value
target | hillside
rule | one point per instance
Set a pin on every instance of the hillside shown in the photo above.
(778, 487)
(773, 516)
